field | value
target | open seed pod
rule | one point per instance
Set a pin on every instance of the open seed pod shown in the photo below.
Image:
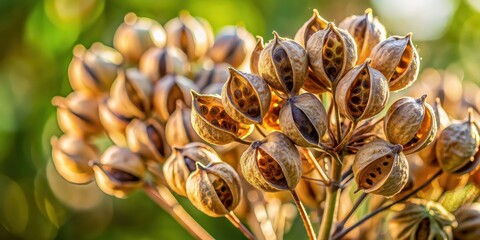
(93, 70)
(331, 54)
(271, 120)
(147, 139)
(214, 189)
(136, 35)
(179, 130)
(255, 56)
(167, 91)
(411, 123)
(119, 172)
(380, 168)
(283, 64)
(311, 26)
(367, 32)
(113, 121)
(216, 74)
(272, 164)
(362, 93)
(156, 63)
(421, 219)
(245, 97)
(71, 156)
(304, 120)
(132, 92)
(397, 59)
(212, 123)
(182, 162)
(233, 45)
(77, 114)
(468, 218)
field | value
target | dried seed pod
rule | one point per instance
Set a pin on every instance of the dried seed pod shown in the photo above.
(367, 32)
(216, 74)
(183, 161)
(411, 123)
(77, 114)
(132, 92)
(233, 45)
(362, 93)
(119, 172)
(283, 64)
(212, 123)
(380, 168)
(397, 59)
(272, 164)
(167, 91)
(159, 62)
(304, 120)
(114, 122)
(255, 56)
(421, 219)
(147, 139)
(179, 130)
(457, 147)
(311, 26)
(136, 35)
(468, 218)
(271, 120)
(331, 54)
(214, 189)
(93, 70)
(245, 97)
(71, 156)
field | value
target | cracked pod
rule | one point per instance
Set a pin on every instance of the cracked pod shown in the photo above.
(468, 218)
(179, 130)
(380, 168)
(212, 123)
(214, 189)
(232, 45)
(147, 138)
(245, 97)
(272, 164)
(311, 26)
(255, 56)
(159, 62)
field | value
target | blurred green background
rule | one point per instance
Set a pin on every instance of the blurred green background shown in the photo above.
(36, 47)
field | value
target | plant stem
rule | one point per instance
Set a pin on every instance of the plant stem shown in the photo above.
(354, 208)
(238, 224)
(311, 159)
(303, 214)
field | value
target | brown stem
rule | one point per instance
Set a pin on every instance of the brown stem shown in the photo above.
(311, 159)
(349, 214)
(238, 224)
(303, 214)
(346, 138)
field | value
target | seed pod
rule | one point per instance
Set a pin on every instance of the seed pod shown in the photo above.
(468, 218)
(311, 26)
(183, 161)
(71, 155)
(119, 172)
(159, 62)
(132, 92)
(113, 122)
(212, 123)
(216, 74)
(271, 120)
(397, 59)
(77, 114)
(214, 189)
(214, 89)
(367, 32)
(167, 91)
(93, 70)
(147, 139)
(331, 54)
(380, 168)
(136, 35)
(255, 56)
(362, 93)
(245, 97)
(457, 147)
(421, 219)
(233, 45)
(283, 64)
(272, 164)
(314, 85)
(411, 123)
(179, 130)
(304, 120)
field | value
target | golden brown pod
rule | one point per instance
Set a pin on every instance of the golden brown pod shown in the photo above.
(397, 59)
(233, 45)
(179, 130)
(182, 163)
(311, 26)
(119, 172)
(362, 93)
(71, 156)
(245, 97)
(271, 120)
(136, 35)
(156, 63)
(113, 122)
(147, 139)
(367, 32)
(93, 70)
(213, 124)
(214, 189)
(411, 123)
(468, 218)
(283, 64)
(209, 76)
(331, 54)
(167, 91)
(255, 56)
(380, 168)
(304, 120)
(272, 164)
